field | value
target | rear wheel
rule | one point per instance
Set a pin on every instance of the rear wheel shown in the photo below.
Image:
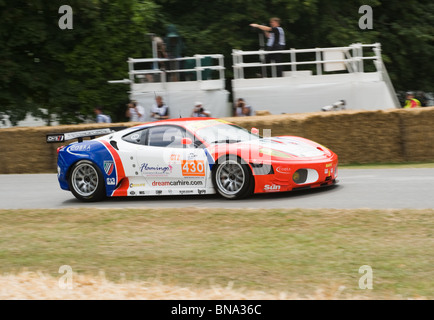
(232, 179)
(86, 181)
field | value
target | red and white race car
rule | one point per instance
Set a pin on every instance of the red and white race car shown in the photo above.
(189, 156)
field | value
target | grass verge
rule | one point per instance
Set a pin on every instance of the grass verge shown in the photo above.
(293, 251)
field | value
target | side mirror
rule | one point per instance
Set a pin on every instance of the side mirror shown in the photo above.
(255, 131)
(186, 141)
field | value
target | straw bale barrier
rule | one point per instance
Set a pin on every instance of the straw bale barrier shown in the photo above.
(383, 136)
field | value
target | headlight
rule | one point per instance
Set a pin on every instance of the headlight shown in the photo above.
(299, 176)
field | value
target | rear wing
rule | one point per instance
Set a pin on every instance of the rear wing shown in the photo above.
(61, 137)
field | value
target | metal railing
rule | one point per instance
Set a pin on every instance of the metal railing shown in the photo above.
(196, 68)
(353, 59)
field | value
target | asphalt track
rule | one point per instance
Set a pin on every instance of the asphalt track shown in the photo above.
(357, 188)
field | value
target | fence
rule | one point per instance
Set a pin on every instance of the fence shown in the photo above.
(349, 58)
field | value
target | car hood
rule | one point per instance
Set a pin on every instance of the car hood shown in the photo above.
(297, 147)
(282, 147)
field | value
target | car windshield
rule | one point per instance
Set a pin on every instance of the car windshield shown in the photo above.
(225, 133)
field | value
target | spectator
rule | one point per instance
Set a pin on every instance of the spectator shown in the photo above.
(161, 52)
(160, 47)
(199, 111)
(174, 47)
(135, 112)
(275, 42)
(159, 109)
(411, 101)
(242, 109)
(100, 116)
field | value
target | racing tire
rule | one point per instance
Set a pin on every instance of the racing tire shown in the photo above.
(232, 179)
(86, 181)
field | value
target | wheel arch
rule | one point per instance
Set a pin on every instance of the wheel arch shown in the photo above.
(97, 155)
(243, 161)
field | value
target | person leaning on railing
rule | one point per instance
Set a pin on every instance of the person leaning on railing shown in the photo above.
(275, 42)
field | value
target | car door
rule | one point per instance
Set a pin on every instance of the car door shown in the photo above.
(170, 166)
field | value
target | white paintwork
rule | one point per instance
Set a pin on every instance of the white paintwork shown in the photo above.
(163, 170)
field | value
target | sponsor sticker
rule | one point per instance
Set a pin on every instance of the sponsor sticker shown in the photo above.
(271, 188)
(191, 156)
(176, 183)
(111, 181)
(137, 185)
(155, 170)
(108, 167)
(79, 147)
(193, 168)
(175, 157)
(59, 138)
(284, 170)
(135, 136)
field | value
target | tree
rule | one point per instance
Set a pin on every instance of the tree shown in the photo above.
(407, 35)
(404, 29)
(118, 31)
(65, 71)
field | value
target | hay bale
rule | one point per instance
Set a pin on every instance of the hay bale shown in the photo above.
(417, 127)
(383, 136)
(24, 149)
(262, 113)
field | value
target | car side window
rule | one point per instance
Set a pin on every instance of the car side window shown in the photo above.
(137, 137)
(166, 136)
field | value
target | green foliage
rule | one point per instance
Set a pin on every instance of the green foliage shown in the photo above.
(117, 32)
(407, 36)
(66, 71)
(404, 29)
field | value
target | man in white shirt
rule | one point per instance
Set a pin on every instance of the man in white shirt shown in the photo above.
(135, 112)
(159, 110)
(199, 111)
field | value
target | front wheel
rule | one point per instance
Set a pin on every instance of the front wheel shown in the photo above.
(232, 179)
(86, 181)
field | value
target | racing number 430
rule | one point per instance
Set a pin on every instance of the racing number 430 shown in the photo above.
(194, 168)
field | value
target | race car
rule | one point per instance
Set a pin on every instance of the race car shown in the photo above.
(189, 156)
